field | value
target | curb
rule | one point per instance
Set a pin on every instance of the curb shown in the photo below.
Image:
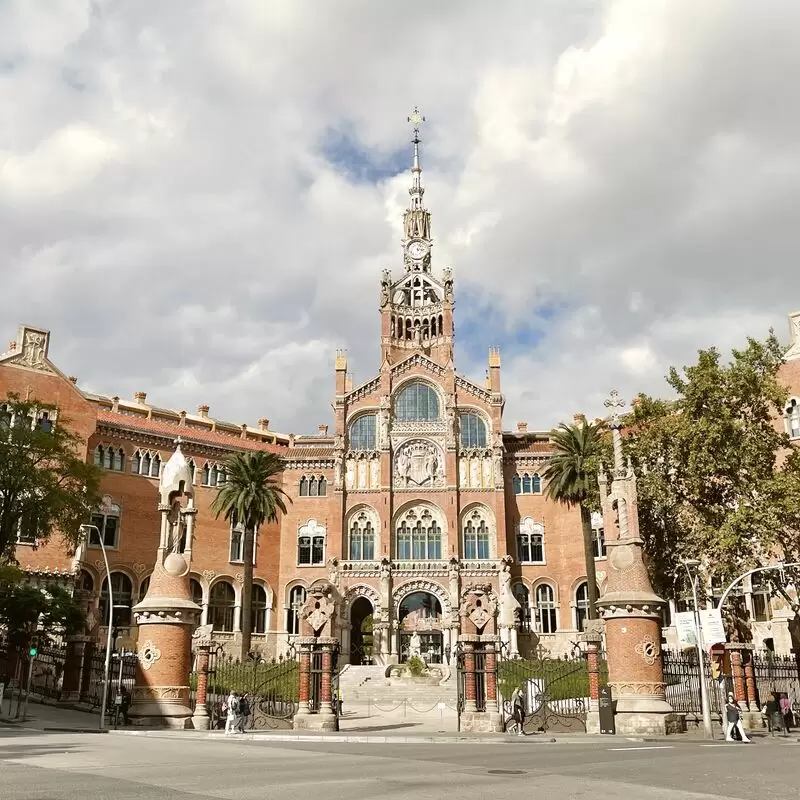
(272, 738)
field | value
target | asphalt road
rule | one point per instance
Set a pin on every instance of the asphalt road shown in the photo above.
(56, 766)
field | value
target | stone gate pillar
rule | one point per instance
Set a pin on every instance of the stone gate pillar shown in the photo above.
(317, 641)
(630, 607)
(73, 669)
(203, 645)
(593, 640)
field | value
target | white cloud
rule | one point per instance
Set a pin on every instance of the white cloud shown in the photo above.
(169, 211)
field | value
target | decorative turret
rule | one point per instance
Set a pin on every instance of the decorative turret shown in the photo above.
(167, 615)
(417, 310)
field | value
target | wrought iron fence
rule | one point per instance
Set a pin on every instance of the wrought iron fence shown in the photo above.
(48, 670)
(682, 679)
(776, 674)
(480, 677)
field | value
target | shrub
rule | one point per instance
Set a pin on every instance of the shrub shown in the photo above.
(416, 666)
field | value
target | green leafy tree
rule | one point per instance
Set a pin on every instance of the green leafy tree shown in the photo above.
(45, 483)
(26, 610)
(251, 496)
(571, 479)
(716, 479)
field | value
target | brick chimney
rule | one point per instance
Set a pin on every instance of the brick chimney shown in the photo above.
(140, 397)
(73, 379)
(323, 430)
(115, 403)
(243, 434)
(182, 421)
(578, 419)
(522, 427)
(12, 346)
(263, 424)
(202, 410)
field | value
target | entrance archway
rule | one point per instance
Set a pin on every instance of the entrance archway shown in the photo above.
(420, 628)
(361, 631)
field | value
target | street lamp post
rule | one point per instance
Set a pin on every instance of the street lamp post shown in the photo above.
(780, 566)
(691, 566)
(84, 529)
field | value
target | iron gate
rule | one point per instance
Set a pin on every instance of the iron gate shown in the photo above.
(554, 692)
(271, 688)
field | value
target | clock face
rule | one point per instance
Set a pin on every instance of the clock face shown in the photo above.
(417, 249)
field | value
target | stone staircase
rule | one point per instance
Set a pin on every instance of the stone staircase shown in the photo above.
(371, 700)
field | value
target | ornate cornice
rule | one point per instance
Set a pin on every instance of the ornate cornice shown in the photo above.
(165, 441)
(473, 389)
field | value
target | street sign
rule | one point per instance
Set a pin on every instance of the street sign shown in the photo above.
(713, 629)
(605, 708)
(685, 628)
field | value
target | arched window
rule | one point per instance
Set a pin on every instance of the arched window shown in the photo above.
(323, 486)
(136, 464)
(304, 486)
(108, 459)
(546, 611)
(196, 591)
(523, 597)
(122, 590)
(793, 419)
(476, 536)
(99, 454)
(119, 460)
(311, 544)
(530, 541)
(419, 536)
(221, 604)
(106, 523)
(297, 596)
(85, 582)
(259, 606)
(192, 468)
(155, 469)
(581, 605)
(762, 608)
(206, 474)
(473, 430)
(362, 538)
(417, 402)
(313, 487)
(528, 484)
(363, 432)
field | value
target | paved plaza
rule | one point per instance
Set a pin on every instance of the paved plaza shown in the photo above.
(51, 765)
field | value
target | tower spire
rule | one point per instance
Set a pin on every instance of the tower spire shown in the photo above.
(417, 220)
(416, 191)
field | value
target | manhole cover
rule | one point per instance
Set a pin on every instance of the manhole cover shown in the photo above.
(506, 771)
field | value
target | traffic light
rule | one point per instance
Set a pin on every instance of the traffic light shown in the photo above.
(716, 666)
(720, 662)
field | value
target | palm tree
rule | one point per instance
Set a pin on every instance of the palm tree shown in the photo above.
(571, 479)
(250, 496)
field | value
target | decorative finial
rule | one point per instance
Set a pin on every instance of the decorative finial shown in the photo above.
(178, 442)
(615, 403)
(416, 119)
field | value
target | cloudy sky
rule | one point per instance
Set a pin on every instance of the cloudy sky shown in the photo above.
(197, 199)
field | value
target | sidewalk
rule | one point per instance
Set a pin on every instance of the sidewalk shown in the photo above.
(46, 717)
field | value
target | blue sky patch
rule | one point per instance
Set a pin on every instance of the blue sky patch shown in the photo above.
(347, 154)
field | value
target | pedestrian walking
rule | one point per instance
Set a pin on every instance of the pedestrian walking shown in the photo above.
(518, 709)
(733, 715)
(243, 713)
(231, 708)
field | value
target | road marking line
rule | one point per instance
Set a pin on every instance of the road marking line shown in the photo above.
(657, 747)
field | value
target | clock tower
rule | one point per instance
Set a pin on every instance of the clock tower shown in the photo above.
(417, 309)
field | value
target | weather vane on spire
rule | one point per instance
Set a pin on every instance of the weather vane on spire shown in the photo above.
(416, 119)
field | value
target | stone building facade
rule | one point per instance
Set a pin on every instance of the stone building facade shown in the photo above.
(414, 495)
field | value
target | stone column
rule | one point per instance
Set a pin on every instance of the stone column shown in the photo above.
(469, 678)
(305, 678)
(73, 669)
(737, 673)
(490, 671)
(200, 720)
(593, 640)
(86, 671)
